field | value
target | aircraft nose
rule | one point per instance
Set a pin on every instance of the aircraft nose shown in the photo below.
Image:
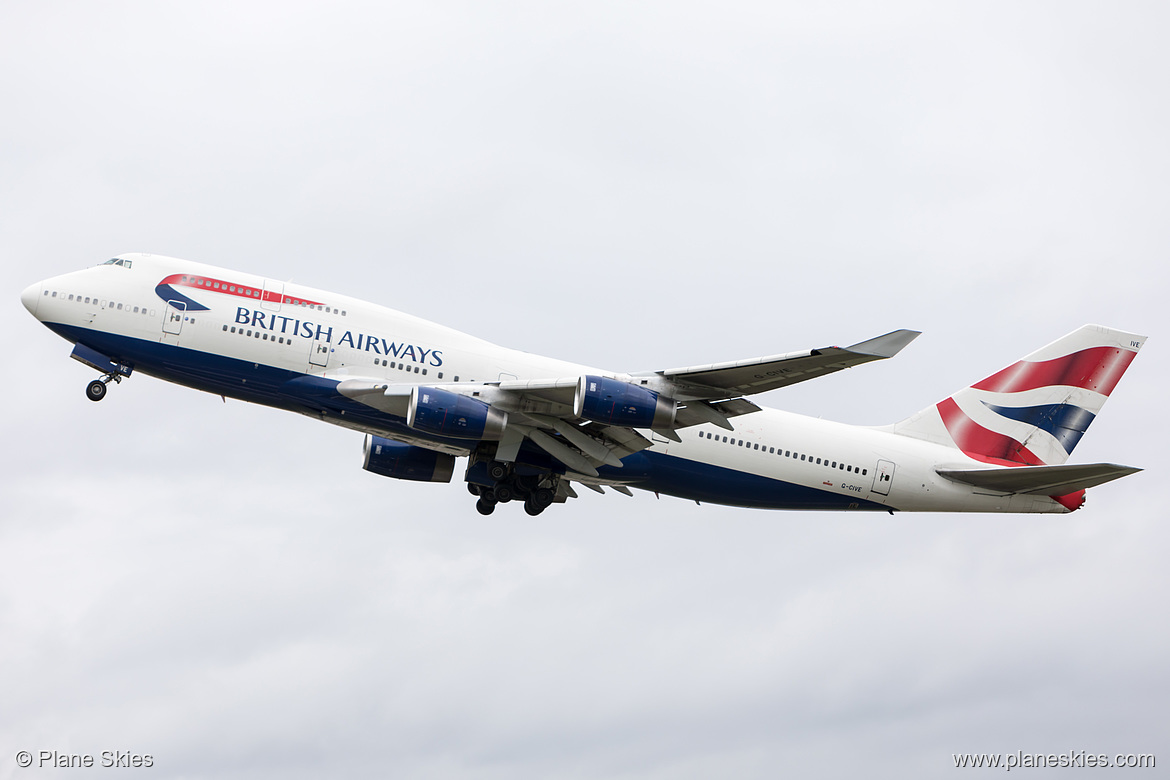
(31, 297)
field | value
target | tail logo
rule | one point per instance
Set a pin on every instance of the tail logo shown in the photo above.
(1034, 412)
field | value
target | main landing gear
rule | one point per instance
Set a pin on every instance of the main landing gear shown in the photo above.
(534, 490)
(96, 390)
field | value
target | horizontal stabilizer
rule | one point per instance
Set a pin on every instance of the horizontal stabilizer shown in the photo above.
(1040, 480)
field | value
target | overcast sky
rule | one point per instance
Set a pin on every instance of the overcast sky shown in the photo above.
(627, 185)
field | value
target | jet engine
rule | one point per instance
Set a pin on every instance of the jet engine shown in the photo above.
(613, 402)
(391, 458)
(443, 413)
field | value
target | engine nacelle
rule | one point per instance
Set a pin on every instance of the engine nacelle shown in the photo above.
(443, 413)
(391, 458)
(613, 402)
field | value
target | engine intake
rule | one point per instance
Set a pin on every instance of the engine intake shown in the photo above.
(613, 402)
(390, 458)
(443, 413)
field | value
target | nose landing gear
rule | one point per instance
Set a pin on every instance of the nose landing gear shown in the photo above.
(96, 390)
(110, 369)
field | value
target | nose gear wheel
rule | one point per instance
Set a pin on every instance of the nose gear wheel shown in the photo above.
(96, 390)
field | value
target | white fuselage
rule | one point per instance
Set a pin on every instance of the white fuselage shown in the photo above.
(285, 330)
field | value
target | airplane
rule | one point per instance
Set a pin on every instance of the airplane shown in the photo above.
(532, 427)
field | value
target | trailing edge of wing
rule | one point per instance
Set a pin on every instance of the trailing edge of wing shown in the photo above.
(758, 375)
(1040, 480)
(698, 412)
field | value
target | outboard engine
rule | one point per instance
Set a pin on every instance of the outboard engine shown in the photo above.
(391, 458)
(613, 402)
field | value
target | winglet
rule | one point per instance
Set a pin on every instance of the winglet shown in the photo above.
(886, 346)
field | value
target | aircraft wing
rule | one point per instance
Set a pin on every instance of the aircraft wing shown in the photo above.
(588, 421)
(758, 375)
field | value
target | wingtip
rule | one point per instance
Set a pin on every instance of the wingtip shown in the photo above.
(1127, 469)
(888, 345)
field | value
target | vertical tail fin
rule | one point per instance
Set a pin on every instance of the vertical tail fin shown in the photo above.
(1034, 411)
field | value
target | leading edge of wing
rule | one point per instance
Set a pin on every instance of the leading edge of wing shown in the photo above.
(758, 375)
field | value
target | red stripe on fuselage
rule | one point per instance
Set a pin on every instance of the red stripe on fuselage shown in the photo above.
(982, 444)
(1097, 369)
(241, 290)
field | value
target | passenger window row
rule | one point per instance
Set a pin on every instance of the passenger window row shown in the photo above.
(255, 292)
(257, 334)
(841, 466)
(403, 367)
(113, 305)
(407, 368)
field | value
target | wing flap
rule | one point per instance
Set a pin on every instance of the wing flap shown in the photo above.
(699, 412)
(1040, 480)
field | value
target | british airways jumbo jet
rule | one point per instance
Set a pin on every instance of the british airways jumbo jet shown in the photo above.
(531, 426)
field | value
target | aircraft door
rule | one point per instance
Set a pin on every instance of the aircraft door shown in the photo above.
(273, 295)
(319, 355)
(173, 316)
(883, 477)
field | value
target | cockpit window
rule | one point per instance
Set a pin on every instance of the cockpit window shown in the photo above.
(119, 261)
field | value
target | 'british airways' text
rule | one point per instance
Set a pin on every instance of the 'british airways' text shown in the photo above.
(363, 342)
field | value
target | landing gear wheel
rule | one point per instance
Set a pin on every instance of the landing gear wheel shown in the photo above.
(543, 497)
(504, 493)
(538, 501)
(497, 471)
(96, 390)
(472, 488)
(485, 507)
(526, 485)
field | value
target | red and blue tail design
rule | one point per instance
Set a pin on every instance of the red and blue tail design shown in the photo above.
(1034, 411)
